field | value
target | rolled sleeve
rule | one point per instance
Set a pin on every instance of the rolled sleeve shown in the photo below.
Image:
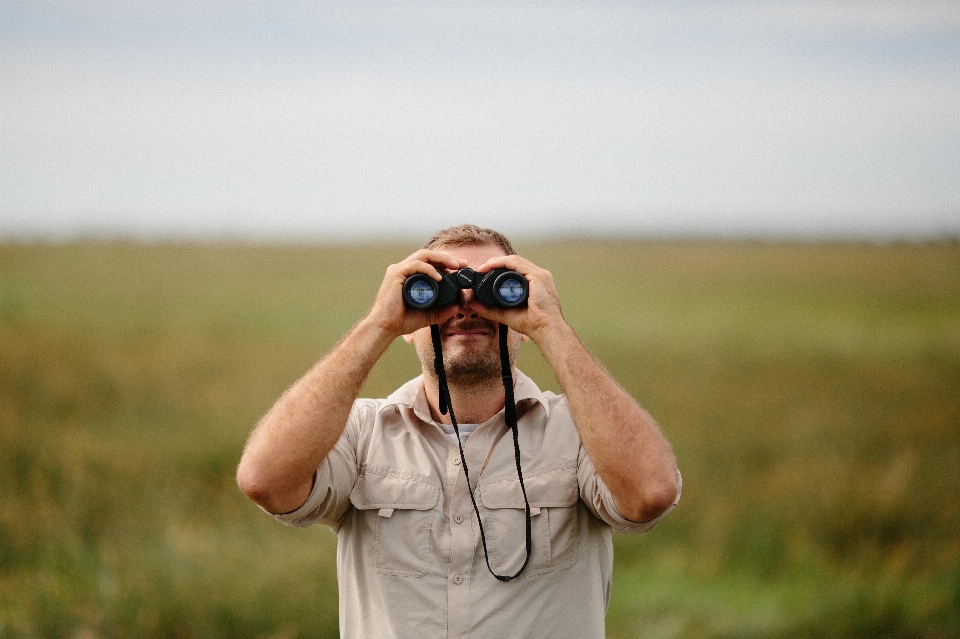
(599, 499)
(333, 480)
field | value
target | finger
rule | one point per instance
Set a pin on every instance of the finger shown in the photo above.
(438, 258)
(410, 268)
(429, 263)
(512, 262)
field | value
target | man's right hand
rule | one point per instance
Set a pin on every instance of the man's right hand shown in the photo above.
(391, 314)
(301, 428)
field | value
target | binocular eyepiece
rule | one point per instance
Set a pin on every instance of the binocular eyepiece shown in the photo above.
(500, 287)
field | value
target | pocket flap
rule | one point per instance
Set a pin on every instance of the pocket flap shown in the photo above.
(387, 489)
(550, 489)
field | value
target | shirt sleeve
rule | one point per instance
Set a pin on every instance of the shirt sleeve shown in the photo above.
(334, 478)
(597, 497)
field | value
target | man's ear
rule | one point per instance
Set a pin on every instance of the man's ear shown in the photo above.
(408, 338)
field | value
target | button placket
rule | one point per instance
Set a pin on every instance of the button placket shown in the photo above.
(458, 597)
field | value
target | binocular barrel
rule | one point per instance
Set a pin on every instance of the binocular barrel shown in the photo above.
(500, 287)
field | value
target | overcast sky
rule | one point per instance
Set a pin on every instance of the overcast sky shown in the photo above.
(271, 119)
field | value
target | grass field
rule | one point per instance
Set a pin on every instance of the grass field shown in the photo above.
(811, 393)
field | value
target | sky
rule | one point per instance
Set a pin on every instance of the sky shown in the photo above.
(321, 121)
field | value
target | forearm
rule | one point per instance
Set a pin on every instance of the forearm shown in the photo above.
(622, 440)
(301, 428)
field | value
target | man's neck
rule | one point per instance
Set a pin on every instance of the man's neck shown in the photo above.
(473, 404)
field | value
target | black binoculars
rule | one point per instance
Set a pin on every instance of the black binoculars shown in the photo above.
(500, 287)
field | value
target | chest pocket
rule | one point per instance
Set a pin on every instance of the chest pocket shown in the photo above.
(554, 521)
(397, 509)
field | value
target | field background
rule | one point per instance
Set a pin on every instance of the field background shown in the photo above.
(811, 393)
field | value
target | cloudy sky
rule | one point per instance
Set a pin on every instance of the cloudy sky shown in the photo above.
(271, 119)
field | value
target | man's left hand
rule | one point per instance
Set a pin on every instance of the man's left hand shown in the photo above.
(542, 312)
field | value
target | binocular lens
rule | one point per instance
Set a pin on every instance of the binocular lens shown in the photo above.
(511, 290)
(421, 292)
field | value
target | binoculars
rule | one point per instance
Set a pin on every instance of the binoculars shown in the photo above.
(500, 287)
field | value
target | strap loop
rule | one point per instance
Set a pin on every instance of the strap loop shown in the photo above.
(509, 415)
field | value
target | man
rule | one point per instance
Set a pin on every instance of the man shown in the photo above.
(387, 475)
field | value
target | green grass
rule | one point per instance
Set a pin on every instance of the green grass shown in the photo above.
(811, 393)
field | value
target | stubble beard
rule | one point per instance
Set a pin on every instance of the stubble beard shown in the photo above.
(469, 365)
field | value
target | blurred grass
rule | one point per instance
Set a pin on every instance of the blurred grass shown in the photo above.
(811, 392)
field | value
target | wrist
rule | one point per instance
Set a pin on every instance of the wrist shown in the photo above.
(374, 332)
(554, 332)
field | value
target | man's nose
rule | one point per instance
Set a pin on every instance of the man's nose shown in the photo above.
(466, 304)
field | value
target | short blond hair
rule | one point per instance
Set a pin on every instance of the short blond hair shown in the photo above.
(469, 235)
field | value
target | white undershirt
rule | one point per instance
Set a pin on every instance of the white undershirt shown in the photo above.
(465, 431)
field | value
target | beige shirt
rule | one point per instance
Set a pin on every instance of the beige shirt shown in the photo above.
(409, 559)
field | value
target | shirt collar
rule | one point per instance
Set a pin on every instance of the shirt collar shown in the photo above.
(412, 394)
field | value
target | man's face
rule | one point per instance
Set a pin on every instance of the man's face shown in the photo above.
(471, 347)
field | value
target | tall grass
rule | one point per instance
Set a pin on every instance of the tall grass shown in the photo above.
(811, 393)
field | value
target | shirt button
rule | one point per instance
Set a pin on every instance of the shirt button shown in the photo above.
(458, 519)
(458, 579)
(456, 461)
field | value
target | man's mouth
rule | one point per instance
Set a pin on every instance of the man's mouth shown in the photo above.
(469, 328)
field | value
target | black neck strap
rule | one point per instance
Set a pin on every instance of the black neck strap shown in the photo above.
(510, 416)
